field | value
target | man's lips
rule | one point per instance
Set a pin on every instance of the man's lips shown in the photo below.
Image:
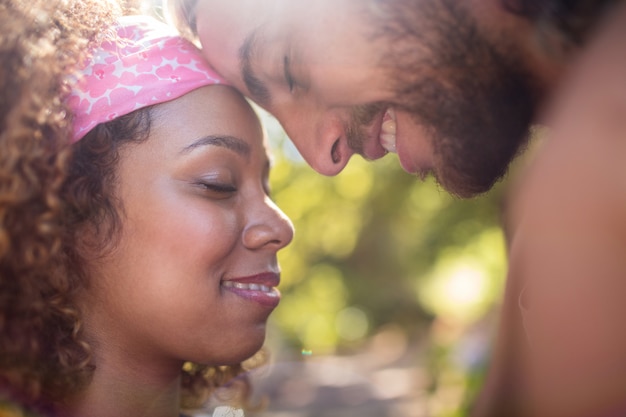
(414, 146)
(381, 136)
(372, 148)
(388, 131)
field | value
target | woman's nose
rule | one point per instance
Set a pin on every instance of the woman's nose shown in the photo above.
(268, 227)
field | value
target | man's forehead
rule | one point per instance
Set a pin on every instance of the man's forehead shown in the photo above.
(249, 54)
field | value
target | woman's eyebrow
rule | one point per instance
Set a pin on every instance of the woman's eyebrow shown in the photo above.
(233, 143)
(248, 52)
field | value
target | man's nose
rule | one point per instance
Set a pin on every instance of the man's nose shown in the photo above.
(322, 142)
(268, 227)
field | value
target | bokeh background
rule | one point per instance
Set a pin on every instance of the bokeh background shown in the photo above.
(390, 288)
(390, 292)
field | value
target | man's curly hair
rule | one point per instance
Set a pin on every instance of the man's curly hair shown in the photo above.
(575, 20)
(49, 191)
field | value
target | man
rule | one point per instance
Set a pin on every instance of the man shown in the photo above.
(449, 85)
(452, 86)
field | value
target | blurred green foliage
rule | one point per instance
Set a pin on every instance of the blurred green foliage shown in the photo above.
(375, 246)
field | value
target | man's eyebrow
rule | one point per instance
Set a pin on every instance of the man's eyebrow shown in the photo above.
(233, 143)
(247, 52)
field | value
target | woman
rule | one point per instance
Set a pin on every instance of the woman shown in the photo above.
(168, 238)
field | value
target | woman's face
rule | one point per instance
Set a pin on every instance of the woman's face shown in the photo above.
(193, 276)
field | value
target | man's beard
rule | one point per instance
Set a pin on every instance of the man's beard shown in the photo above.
(471, 95)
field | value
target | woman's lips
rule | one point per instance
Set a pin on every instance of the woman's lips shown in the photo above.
(260, 288)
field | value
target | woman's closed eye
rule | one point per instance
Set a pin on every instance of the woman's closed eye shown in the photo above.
(218, 189)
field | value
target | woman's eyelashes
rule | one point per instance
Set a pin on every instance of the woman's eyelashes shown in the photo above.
(227, 183)
(218, 189)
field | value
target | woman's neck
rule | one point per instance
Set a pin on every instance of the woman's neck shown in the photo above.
(126, 388)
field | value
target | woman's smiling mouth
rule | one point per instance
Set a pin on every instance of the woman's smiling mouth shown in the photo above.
(260, 288)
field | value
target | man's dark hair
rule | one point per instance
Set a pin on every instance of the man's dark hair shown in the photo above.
(575, 19)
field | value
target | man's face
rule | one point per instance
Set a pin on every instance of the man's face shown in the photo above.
(367, 77)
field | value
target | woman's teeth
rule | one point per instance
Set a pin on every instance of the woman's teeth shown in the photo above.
(249, 287)
(388, 131)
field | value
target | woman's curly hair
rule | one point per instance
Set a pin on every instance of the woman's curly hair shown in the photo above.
(49, 191)
(41, 356)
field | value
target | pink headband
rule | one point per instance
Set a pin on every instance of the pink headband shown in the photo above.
(146, 63)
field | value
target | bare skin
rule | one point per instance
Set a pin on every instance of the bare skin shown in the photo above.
(567, 249)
